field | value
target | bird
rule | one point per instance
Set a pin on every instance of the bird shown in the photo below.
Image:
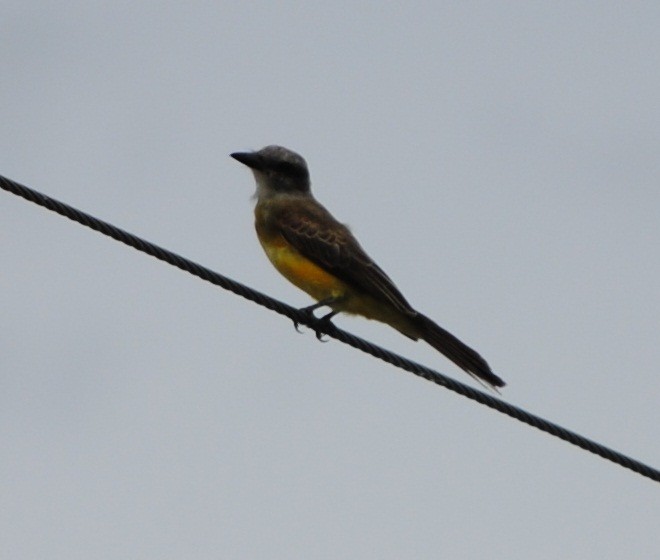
(322, 257)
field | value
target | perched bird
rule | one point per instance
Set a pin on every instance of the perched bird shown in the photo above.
(321, 256)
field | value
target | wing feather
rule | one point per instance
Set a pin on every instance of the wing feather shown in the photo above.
(313, 231)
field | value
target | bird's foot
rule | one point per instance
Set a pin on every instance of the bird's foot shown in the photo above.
(326, 323)
(317, 322)
(309, 312)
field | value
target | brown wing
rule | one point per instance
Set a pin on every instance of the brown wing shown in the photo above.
(313, 231)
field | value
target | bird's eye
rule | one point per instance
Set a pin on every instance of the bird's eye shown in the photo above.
(289, 168)
(284, 167)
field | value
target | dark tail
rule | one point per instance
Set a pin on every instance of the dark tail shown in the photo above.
(461, 354)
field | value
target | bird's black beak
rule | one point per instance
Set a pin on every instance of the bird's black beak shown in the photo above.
(251, 159)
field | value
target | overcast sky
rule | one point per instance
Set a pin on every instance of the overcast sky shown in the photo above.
(500, 160)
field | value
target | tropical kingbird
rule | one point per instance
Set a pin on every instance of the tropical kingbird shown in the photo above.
(321, 256)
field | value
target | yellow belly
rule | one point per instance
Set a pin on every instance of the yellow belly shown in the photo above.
(302, 272)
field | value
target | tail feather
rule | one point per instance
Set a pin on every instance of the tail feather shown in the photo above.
(458, 352)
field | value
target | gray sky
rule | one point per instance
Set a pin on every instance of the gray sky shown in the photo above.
(499, 161)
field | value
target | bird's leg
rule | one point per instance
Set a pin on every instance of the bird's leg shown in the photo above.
(327, 301)
(323, 320)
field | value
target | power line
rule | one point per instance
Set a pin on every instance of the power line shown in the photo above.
(327, 328)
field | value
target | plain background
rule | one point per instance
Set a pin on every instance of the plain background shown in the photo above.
(500, 160)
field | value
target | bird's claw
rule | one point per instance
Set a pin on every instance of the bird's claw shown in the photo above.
(323, 321)
(309, 312)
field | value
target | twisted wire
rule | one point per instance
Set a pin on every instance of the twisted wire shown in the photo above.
(329, 329)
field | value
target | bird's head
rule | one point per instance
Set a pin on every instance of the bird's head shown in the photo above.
(276, 170)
